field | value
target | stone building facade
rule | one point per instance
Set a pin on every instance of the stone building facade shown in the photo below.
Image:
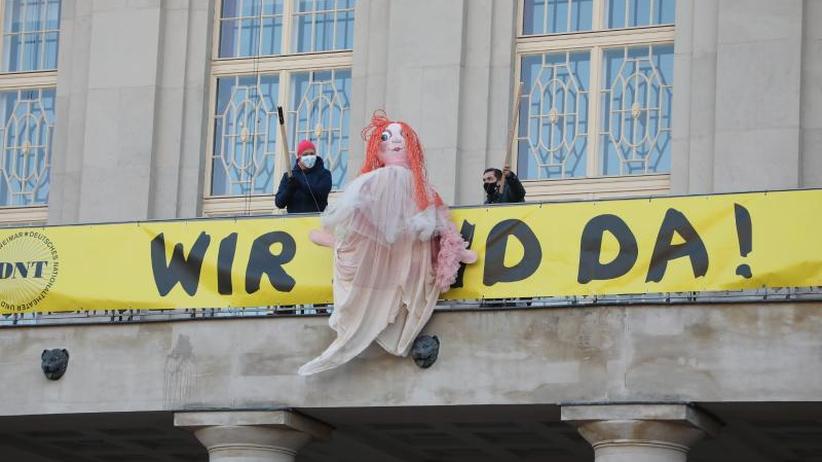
(128, 110)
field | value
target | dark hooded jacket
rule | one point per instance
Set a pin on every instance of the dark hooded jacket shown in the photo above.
(512, 192)
(307, 190)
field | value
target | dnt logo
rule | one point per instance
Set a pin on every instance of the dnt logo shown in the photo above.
(28, 269)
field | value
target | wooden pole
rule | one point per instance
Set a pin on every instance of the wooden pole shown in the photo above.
(509, 154)
(284, 141)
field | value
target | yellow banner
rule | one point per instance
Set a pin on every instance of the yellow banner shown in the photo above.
(635, 246)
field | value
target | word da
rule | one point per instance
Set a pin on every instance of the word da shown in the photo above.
(591, 267)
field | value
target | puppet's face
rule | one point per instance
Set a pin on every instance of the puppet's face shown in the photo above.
(392, 146)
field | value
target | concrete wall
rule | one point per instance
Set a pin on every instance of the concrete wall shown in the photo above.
(746, 113)
(688, 353)
(811, 96)
(131, 99)
(447, 69)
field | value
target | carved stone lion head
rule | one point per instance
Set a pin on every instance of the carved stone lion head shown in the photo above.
(54, 362)
(425, 350)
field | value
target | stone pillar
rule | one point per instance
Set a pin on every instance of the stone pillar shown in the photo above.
(746, 113)
(264, 436)
(640, 432)
(131, 102)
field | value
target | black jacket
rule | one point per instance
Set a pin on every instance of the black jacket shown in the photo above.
(299, 194)
(512, 192)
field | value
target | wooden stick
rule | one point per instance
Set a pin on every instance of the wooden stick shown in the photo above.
(509, 154)
(284, 141)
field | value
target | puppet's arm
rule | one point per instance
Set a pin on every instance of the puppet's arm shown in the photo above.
(321, 237)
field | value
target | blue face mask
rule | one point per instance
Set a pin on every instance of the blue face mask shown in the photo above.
(308, 160)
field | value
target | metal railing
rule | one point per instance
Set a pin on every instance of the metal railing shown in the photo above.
(763, 295)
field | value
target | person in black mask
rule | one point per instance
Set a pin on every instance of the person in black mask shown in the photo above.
(498, 193)
(307, 189)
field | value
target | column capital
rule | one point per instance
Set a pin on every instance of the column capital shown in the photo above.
(615, 428)
(252, 435)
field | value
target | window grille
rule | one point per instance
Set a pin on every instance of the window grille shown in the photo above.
(291, 53)
(598, 87)
(29, 39)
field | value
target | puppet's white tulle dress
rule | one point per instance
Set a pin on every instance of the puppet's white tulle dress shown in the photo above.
(386, 275)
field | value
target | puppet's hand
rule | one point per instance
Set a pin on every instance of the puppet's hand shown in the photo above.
(321, 237)
(468, 256)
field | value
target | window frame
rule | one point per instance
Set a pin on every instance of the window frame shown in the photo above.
(14, 215)
(284, 65)
(3, 39)
(597, 41)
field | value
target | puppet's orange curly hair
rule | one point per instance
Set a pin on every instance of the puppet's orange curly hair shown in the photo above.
(423, 194)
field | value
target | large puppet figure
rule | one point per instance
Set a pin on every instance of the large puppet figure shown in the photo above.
(395, 249)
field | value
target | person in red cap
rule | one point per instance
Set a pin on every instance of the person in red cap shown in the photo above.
(307, 189)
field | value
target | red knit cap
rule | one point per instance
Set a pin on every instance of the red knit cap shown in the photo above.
(305, 144)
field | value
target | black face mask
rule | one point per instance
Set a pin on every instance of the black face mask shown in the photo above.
(490, 188)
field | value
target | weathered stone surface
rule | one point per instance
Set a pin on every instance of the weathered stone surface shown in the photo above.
(683, 353)
(746, 113)
(131, 110)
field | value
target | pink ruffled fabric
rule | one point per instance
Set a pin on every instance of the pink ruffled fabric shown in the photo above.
(451, 253)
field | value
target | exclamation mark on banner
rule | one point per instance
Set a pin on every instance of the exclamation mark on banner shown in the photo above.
(743, 233)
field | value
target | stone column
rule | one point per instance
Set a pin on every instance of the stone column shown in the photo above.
(738, 124)
(264, 436)
(132, 93)
(640, 432)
